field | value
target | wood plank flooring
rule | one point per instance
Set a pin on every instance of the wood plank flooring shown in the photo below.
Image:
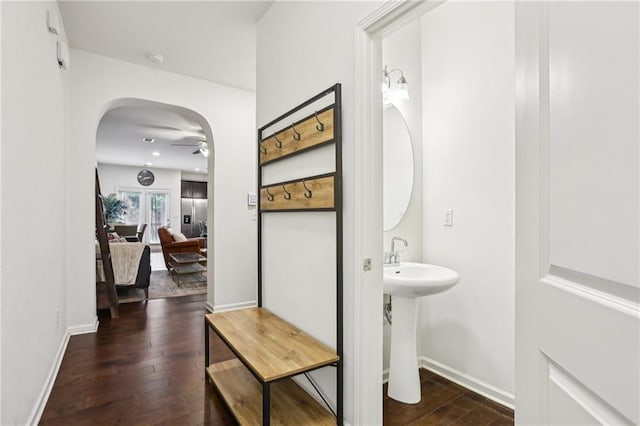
(147, 368)
(445, 403)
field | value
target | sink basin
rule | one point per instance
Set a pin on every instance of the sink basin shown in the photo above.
(410, 279)
(407, 282)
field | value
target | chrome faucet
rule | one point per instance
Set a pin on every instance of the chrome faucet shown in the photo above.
(393, 257)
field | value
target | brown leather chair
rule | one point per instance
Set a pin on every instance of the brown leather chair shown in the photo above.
(169, 246)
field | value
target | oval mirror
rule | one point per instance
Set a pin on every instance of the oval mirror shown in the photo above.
(397, 167)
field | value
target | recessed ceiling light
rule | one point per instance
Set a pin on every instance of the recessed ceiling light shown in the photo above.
(196, 169)
(155, 154)
(148, 164)
(148, 140)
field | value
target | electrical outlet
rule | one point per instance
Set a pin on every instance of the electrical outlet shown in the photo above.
(447, 217)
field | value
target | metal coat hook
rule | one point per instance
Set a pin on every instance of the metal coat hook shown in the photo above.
(269, 195)
(320, 126)
(296, 135)
(263, 150)
(287, 194)
(278, 141)
(307, 192)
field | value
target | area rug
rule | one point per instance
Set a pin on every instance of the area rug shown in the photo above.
(162, 285)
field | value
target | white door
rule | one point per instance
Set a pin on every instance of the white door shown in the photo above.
(158, 212)
(577, 255)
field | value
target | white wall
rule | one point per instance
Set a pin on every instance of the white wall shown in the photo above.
(303, 48)
(33, 176)
(402, 50)
(96, 81)
(1, 235)
(469, 166)
(113, 177)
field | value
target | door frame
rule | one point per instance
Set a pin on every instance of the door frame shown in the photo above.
(368, 244)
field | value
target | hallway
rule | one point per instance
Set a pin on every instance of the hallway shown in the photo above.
(147, 367)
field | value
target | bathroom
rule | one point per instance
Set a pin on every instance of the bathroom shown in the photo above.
(457, 208)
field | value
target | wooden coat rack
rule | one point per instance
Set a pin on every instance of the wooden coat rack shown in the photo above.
(270, 350)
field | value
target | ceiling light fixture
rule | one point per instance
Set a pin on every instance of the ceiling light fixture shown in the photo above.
(398, 93)
(148, 164)
(148, 140)
(155, 154)
(203, 148)
(196, 169)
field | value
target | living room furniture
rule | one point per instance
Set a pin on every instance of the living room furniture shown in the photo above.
(140, 231)
(131, 264)
(185, 264)
(170, 245)
(126, 231)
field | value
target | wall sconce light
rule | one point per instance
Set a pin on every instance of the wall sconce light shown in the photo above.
(399, 92)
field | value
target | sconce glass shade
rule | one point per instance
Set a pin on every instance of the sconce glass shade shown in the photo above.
(402, 91)
(399, 92)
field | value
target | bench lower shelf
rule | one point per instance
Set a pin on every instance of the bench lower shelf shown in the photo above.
(290, 404)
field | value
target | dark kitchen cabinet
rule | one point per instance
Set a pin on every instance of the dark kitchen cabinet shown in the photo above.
(192, 189)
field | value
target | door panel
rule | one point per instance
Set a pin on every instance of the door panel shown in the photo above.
(578, 238)
(593, 132)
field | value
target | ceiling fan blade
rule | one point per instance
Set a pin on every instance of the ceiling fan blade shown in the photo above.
(183, 144)
(197, 151)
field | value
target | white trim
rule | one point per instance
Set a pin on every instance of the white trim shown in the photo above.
(367, 405)
(462, 379)
(208, 306)
(43, 397)
(476, 385)
(83, 329)
(232, 306)
(607, 300)
(367, 392)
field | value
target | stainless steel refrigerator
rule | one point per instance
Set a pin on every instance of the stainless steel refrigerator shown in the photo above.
(194, 217)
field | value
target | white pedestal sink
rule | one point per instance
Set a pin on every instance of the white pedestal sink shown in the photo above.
(407, 282)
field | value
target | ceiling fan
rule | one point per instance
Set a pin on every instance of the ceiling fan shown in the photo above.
(201, 145)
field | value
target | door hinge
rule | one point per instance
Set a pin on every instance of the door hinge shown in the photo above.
(366, 265)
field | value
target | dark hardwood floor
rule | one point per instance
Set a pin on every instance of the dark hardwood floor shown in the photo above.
(147, 368)
(445, 403)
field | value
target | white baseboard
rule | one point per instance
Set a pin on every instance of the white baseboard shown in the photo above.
(208, 306)
(84, 328)
(233, 306)
(43, 397)
(467, 381)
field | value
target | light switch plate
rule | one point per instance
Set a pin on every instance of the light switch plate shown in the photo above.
(252, 199)
(447, 217)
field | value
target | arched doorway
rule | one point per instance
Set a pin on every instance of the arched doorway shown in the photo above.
(145, 153)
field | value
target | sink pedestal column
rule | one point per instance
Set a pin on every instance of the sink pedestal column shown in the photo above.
(404, 377)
